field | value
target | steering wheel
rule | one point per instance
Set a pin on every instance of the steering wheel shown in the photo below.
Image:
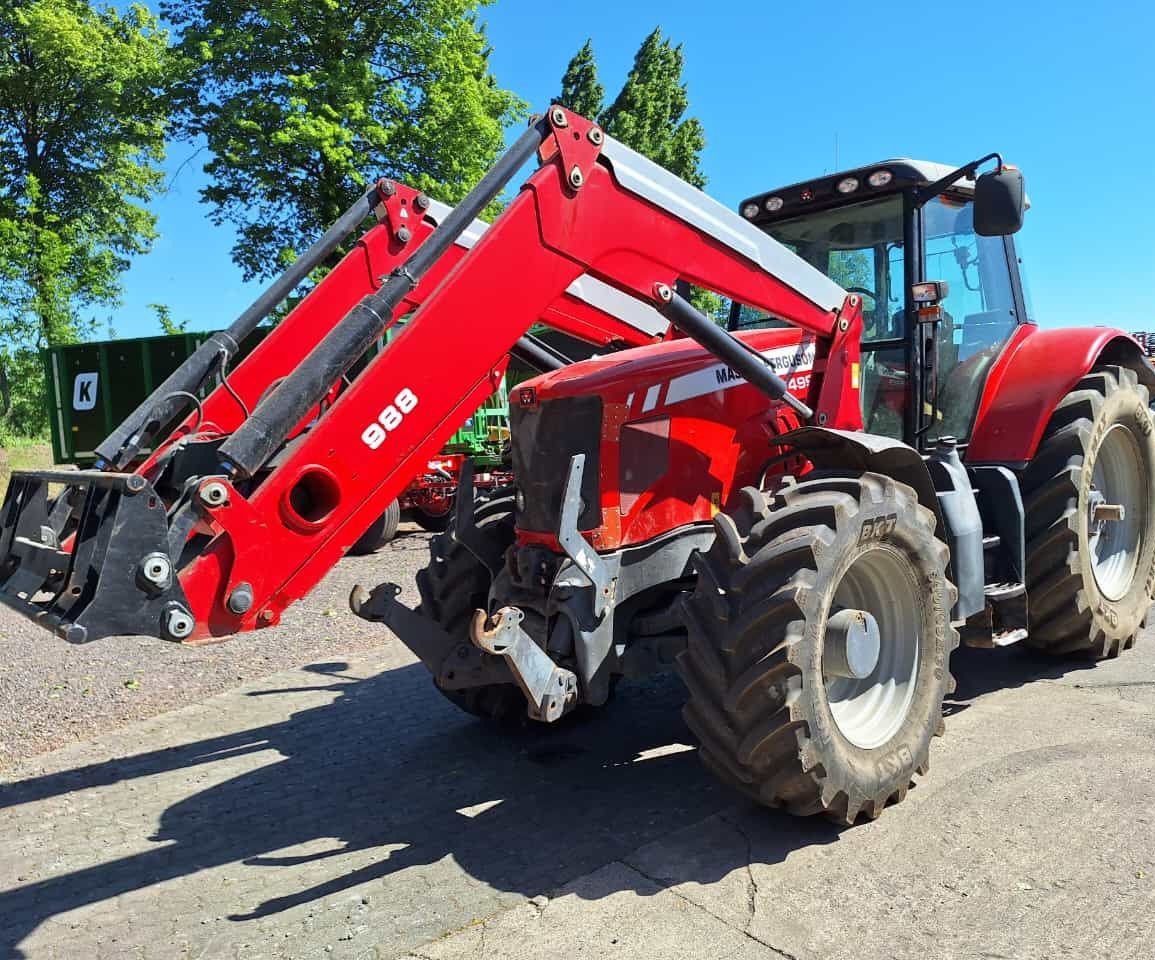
(870, 293)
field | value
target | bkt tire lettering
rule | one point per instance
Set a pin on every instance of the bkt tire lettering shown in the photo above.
(878, 528)
(389, 419)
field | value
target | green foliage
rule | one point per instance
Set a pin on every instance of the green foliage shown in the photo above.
(580, 90)
(648, 116)
(852, 268)
(23, 407)
(302, 104)
(648, 113)
(82, 125)
(167, 324)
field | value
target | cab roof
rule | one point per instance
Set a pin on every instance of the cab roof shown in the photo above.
(823, 192)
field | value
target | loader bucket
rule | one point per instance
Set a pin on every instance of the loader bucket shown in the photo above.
(92, 560)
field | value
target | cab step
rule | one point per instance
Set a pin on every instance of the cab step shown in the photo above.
(1004, 591)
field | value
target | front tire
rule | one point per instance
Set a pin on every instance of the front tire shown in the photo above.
(770, 716)
(455, 584)
(1090, 579)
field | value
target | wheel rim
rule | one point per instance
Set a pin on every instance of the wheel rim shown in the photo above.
(1117, 479)
(868, 712)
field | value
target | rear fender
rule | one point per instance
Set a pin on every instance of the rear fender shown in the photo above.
(1035, 371)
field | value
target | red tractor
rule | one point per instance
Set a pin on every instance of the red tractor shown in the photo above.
(802, 513)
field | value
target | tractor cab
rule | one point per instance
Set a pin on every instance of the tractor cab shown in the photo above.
(879, 231)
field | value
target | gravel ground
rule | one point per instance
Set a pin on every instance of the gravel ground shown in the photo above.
(53, 694)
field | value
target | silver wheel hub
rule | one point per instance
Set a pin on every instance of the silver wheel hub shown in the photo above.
(1116, 512)
(852, 645)
(871, 648)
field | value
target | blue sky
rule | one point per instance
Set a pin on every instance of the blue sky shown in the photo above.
(1064, 90)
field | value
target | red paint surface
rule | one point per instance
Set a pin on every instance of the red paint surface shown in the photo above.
(1034, 372)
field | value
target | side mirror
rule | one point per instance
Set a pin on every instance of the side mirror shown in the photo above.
(999, 203)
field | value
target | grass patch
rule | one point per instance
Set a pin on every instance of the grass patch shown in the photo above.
(17, 453)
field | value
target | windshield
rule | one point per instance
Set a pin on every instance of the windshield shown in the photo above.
(859, 247)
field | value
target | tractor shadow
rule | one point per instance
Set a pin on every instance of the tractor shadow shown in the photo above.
(979, 672)
(392, 774)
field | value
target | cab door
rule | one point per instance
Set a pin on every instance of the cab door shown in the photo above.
(979, 313)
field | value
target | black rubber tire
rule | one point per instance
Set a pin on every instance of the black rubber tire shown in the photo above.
(453, 585)
(1069, 614)
(380, 532)
(431, 522)
(756, 624)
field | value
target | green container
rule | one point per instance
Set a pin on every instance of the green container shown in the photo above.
(92, 387)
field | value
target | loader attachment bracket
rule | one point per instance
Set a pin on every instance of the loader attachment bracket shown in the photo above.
(576, 547)
(549, 689)
(94, 560)
(454, 662)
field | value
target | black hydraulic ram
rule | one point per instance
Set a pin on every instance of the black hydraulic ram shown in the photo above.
(538, 354)
(255, 441)
(730, 350)
(118, 449)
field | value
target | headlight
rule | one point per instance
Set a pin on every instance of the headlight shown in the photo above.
(774, 204)
(880, 178)
(750, 211)
(848, 184)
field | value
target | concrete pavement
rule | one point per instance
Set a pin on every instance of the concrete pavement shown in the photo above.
(345, 810)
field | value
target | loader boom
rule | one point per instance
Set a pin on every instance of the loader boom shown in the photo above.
(275, 505)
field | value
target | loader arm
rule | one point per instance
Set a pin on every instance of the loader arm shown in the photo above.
(589, 310)
(259, 528)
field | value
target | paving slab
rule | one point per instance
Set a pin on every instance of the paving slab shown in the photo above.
(347, 810)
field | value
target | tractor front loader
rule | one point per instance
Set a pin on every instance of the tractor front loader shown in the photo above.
(707, 500)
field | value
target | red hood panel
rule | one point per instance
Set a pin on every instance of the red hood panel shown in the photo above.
(680, 432)
(677, 370)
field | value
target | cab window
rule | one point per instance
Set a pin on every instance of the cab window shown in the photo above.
(978, 313)
(860, 247)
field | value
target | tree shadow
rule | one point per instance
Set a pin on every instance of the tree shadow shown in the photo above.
(389, 765)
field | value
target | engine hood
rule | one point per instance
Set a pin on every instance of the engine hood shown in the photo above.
(666, 374)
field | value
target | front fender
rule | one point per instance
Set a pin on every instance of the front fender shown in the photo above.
(1035, 371)
(844, 450)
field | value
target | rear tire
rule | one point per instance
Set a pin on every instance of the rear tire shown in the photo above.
(1089, 583)
(770, 718)
(380, 532)
(453, 585)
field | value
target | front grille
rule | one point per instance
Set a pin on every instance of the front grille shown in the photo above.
(545, 437)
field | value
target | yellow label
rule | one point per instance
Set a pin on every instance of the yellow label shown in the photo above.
(854, 376)
(715, 503)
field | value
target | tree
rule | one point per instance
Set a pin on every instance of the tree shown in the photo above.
(648, 114)
(304, 104)
(82, 126)
(167, 324)
(580, 90)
